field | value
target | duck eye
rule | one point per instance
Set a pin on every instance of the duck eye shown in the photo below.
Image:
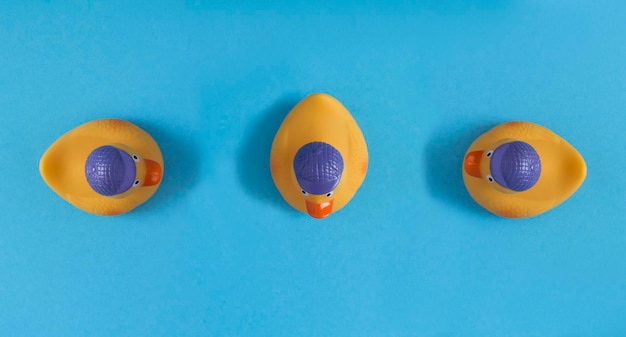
(136, 183)
(304, 192)
(489, 153)
(136, 158)
(329, 194)
(490, 178)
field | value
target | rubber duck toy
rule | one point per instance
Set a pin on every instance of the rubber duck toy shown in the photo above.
(104, 167)
(319, 156)
(521, 169)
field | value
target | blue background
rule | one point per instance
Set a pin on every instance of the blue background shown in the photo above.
(217, 252)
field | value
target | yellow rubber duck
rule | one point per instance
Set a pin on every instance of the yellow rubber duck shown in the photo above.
(521, 169)
(319, 156)
(104, 167)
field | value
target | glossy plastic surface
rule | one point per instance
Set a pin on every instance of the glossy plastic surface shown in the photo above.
(104, 167)
(319, 157)
(521, 169)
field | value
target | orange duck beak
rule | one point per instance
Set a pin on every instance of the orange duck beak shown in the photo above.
(154, 172)
(320, 210)
(471, 164)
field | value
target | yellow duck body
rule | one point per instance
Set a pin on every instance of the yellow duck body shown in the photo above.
(562, 171)
(63, 165)
(319, 118)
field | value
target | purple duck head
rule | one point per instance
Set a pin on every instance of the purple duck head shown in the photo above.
(515, 165)
(318, 167)
(110, 171)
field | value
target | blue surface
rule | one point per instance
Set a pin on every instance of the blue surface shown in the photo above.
(217, 252)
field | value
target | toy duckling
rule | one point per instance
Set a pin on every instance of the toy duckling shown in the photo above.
(319, 156)
(521, 169)
(104, 167)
